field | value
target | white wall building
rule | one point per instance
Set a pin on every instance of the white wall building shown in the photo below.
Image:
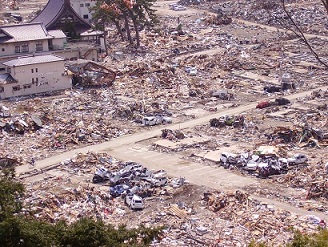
(31, 38)
(82, 8)
(33, 74)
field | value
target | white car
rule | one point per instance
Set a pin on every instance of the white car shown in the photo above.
(297, 159)
(179, 8)
(173, 5)
(150, 121)
(193, 71)
(156, 181)
(134, 201)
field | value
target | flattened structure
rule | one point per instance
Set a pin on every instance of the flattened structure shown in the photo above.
(59, 14)
(91, 74)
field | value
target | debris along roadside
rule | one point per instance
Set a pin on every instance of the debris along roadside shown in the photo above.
(65, 193)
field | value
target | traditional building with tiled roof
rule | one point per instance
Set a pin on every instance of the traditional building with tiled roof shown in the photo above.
(59, 14)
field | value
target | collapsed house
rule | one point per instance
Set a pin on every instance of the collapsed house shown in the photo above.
(91, 74)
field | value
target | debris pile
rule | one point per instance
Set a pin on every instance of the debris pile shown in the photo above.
(172, 134)
(271, 13)
(302, 135)
(262, 163)
(219, 19)
(91, 74)
(259, 218)
(312, 178)
(235, 121)
(21, 125)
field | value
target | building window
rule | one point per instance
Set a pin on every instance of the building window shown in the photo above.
(3, 49)
(32, 80)
(39, 46)
(36, 70)
(85, 16)
(17, 49)
(32, 71)
(81, 5)
(25, 47)
(2, 89)
(87, 5)
(27, 86)
(37, 81)
(16, 88)
(8, 70)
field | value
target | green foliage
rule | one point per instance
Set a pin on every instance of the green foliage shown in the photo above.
(10, 193)
(319, 239)
(69, 29)
(85, 232)
(21, 231)
(253, 243)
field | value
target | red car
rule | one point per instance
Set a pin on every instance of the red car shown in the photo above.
(263, 104)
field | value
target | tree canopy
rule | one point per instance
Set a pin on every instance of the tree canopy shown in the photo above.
(126, 15)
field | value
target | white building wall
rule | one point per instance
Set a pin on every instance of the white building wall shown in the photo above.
(9, 49)
(58, 44)
(37, 78)
(82, 8)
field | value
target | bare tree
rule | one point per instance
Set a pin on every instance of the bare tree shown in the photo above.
(300, 34)
(325, 4)
(289, 23)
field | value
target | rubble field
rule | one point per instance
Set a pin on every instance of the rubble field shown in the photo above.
(192, 215)
(195, 65)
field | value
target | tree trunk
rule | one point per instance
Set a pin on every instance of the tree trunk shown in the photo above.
(127, 28)
(325, 4)
(135, 24)
(119, 29)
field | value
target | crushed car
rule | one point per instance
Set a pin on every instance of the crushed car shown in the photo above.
(101, 175)
(118, 190)
(134, 202)
(155, 120)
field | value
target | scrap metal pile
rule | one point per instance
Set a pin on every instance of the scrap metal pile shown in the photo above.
(262, 163)
(61, 198)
